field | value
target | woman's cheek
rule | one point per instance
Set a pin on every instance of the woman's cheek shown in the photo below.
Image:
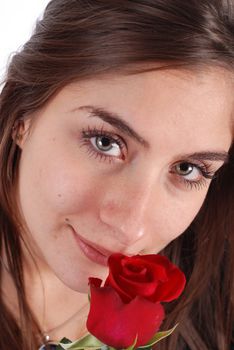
(67, 189)
(176, 218)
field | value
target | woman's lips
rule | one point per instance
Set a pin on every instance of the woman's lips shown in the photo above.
(92, 251)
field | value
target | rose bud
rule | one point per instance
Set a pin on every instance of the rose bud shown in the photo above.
(151, 276)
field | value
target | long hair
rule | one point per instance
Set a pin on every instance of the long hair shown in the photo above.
(80, 39)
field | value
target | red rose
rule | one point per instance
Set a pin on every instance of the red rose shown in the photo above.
(151, 276)
(128, 305)
(117, 324)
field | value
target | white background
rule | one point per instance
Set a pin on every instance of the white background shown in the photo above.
(17, 21)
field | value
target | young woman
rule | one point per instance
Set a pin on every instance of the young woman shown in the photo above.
(116, 129)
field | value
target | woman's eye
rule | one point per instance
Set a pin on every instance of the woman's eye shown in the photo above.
(188, 171)
(104, 145)
(194, 175)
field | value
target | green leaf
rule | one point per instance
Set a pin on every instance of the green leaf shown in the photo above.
(65, 341)
(157, 337)
(105, 347)
(86, 342)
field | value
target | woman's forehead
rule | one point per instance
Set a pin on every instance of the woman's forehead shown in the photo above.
(163, 107)
(138, 94)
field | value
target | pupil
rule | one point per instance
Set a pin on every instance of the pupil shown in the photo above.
(185, 167)
(103, 142)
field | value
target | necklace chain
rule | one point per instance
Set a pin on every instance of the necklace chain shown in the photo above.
(47, 333)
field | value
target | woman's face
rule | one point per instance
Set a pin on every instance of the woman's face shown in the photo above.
(120, 164)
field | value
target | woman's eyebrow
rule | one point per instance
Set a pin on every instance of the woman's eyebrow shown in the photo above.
(207, 155)
(116, 121)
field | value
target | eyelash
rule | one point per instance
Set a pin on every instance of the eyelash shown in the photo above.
(205, 169)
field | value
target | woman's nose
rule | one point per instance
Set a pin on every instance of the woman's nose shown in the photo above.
(128, 206)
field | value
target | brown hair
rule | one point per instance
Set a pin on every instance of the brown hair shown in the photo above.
(80, 39)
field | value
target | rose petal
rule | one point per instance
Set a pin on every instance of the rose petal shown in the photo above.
(116, 324)
(140, 289)
(126, 297)
(171, 289)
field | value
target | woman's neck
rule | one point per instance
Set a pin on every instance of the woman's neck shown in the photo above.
(60, 311)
